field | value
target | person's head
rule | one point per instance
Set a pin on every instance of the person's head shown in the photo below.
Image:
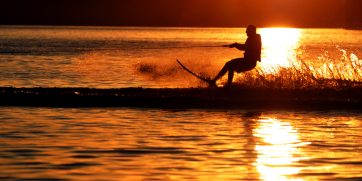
(251, 30)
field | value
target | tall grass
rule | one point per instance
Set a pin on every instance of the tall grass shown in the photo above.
(344, 72)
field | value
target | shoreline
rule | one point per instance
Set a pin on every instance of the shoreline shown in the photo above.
(184, 98)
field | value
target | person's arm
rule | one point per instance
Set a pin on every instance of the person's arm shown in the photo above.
(237, 46)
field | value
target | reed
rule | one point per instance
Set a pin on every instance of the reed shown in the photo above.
(328, 73)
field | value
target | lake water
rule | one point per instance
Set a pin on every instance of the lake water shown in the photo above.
(169, 144)
(107, 57)
(152, 144)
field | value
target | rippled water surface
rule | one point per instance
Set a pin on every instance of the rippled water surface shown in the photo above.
(113, 57)
(153, 144)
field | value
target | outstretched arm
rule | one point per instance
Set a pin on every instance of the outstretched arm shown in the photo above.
(237, 46)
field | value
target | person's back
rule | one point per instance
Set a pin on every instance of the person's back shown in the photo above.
(253, 48)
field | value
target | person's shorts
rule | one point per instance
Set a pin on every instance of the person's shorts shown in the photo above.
(241, 65)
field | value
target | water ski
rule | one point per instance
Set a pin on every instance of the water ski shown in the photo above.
(208, 81)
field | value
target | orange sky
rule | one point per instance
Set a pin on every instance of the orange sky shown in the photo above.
(265, 12)
(296, 13)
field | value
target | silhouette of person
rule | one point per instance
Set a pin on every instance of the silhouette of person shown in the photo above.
(252, 51)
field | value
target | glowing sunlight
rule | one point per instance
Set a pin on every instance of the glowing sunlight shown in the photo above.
(279, 46)
(278, 150)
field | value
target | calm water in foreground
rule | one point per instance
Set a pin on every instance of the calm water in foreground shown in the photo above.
(156, 144)
(152, 144)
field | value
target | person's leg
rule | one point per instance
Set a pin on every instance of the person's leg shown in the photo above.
(223, 71)
(239, 67)
(230, 76)
(229, 66)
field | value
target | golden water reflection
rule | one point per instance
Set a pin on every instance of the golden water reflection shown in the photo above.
(279, 47)
(277, 150)
(153, 144)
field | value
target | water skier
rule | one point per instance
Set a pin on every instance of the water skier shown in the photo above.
(252, 54)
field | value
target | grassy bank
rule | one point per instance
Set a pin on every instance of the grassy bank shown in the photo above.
(329, 73)
(328, 84)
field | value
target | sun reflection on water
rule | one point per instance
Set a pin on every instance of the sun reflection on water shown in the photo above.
(279, 46)
(277, 150)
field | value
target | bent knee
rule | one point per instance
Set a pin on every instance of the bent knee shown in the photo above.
(229, 64)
